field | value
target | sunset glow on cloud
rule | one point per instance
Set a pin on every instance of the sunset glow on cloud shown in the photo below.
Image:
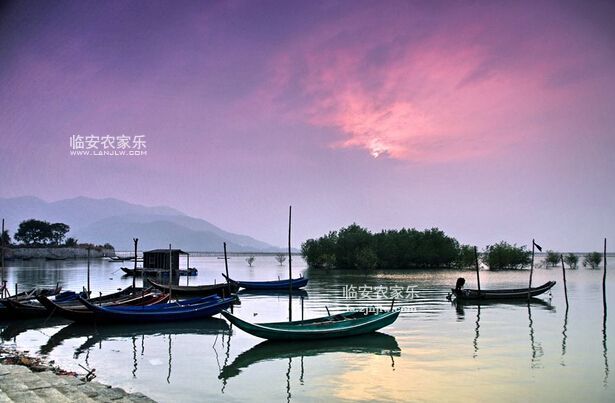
(451, 91)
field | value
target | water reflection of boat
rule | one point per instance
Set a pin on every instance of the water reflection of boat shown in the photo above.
(14, 328)
(97, 334)
(376, 343)
(537, 302)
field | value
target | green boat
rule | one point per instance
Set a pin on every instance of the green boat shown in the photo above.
(345, 324)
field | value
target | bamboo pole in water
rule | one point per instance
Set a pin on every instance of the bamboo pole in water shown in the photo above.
(604, 281)
(89, 254)
(228, 281)
(531, 270)
(290, 269)
(477, 268)
(170, 271)
(134, 275)
(564, 275)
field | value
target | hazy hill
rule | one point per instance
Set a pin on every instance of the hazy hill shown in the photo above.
(117, 222)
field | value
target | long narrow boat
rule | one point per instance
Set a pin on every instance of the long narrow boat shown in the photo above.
(345, 324)
(294, 283)
(221, 289)
(511, 293)
(79, 313)
(200, 311)
(34, 292)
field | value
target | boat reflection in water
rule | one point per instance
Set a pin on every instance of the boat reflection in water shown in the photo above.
(374, 343)
(12, 329)
(536, 348)
(98, 334)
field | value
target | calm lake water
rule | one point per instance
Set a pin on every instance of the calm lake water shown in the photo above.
(436, 351)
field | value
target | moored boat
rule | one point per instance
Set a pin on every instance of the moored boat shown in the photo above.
(501, 294)
(294, 283)
(168, 314)
(345, 324)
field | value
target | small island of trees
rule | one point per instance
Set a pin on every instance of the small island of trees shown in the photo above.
(355, 247)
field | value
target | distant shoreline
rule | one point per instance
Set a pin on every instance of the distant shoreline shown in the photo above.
(55, 252)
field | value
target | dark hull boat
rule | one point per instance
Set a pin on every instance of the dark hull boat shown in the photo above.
(79, 313)
(294, 283)
(221, 289)
(166, 314)
(504, 294)
(341, 325)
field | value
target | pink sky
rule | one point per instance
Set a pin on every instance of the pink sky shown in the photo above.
(489, 120)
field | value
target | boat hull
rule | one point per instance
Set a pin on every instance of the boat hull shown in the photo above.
(510, 294)
(342, 325)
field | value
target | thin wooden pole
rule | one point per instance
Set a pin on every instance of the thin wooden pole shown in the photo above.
(89, 254)
(604, 281)
(531, 270)
(290, 268)
(564, 275)
(228, 281)
(170, 271)
(134, 277)
(477, 268)
(187, 268)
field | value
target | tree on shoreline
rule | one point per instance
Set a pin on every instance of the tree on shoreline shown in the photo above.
(355, 247)
(36, 232)
(592, 260)
(281, 258)
(571, 260)
(502, 256)
(552, 258)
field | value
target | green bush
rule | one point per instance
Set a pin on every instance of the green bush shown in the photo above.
(553, 258)
(571, 260)
(466, 257)
(503, 256)
(592, 260)
(355, 247)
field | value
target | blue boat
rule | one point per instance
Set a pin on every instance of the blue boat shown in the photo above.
(168, 314)
(294, 283)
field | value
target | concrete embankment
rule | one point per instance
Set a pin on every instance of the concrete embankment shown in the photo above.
(20, 384)
(57, 253)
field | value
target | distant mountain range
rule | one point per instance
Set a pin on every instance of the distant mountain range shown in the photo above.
(118, 222)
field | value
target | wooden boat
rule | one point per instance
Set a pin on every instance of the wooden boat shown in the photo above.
(79, 313)
(191, 312)
(346, 324)
(156, 272)
(294, 283)
(375, 343)
(34, 292)
(54, 258)
(511, 293)
(221, 289)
